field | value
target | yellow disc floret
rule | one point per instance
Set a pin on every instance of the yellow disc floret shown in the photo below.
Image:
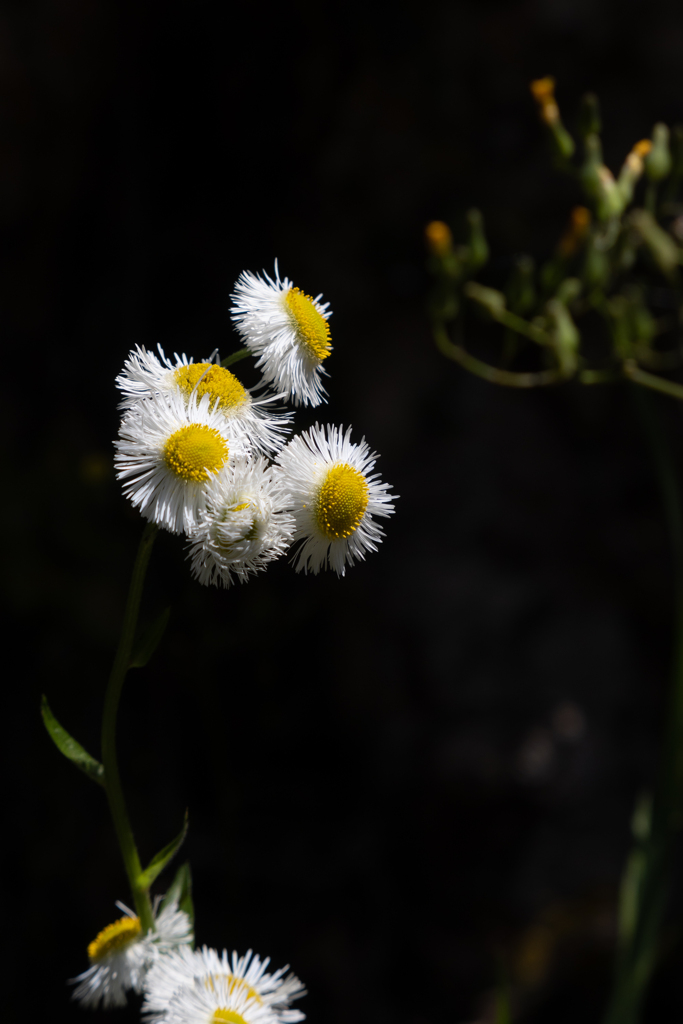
(341, 502)
(114, 937)
(311, 327)
(223, 387)
(235, 985)
(194, 452)
(224, 1016)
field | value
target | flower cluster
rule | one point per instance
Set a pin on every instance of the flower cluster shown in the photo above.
(182, 986)
(121, 955)
(202, 455)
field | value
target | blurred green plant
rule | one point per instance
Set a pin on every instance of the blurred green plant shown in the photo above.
(606, 306)
(616, 259)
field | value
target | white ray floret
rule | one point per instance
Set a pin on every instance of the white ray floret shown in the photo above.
(201, 983)
(334, 498)
(287, 331)
(259, 422)
(244, 526)
(167, 453)
(121, 955)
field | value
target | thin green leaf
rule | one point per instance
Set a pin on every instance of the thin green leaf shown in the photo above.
(69, 747)
(148, 642)
(159, 862)
(241, 353)
(180, 891)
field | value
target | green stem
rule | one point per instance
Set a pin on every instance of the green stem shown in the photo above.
(476, 293)
(647, 877)
(117, 804)
(650, 380)
(488, 372)
(241, 353)
(591, 377)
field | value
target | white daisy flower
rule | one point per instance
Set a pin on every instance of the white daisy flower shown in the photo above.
(121, 955)
(198, 984)
(334, 498)
(257, 420)
(244, 526)
(287, 330)
(167, 453)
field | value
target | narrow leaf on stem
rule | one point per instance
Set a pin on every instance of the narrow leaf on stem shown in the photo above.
(70, 747)
(162, 858)
(180, 891)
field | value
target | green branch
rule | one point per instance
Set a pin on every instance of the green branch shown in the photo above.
(241, 353)
(491, 373)
(117, 804)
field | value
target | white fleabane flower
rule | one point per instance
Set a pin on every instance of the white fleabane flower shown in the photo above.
(121, 955)
(334, 498)
(167, 453)
(231, 988)
(288, 332)
(244, 525)
(257, 421)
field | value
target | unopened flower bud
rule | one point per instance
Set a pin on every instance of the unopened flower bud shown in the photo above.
(439, 238)
(576, 231)
(610, 201)
(632, 170)
(569, 290)
(658, 161)
(543, 91)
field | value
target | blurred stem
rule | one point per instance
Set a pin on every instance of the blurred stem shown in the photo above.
(117, 804)
(487, 372)
(241, 353)
(650, 380)
(647, 877)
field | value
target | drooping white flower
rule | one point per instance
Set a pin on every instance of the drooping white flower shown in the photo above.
(334, 498)
(203, 986)
(257, 421)
(244, 525)
(287, 330)
(167, 453)
(121, 955)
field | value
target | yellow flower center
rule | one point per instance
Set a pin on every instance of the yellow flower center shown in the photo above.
(311, 326)
(249, 525)
(235, 986)
(342, 500)
(224, 388)
(114, 937)
(195, 451)
(223, 1016)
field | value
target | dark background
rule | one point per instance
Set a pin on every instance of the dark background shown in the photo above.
(413, 779)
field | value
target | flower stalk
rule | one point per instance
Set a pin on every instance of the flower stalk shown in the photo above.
(117, 804)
